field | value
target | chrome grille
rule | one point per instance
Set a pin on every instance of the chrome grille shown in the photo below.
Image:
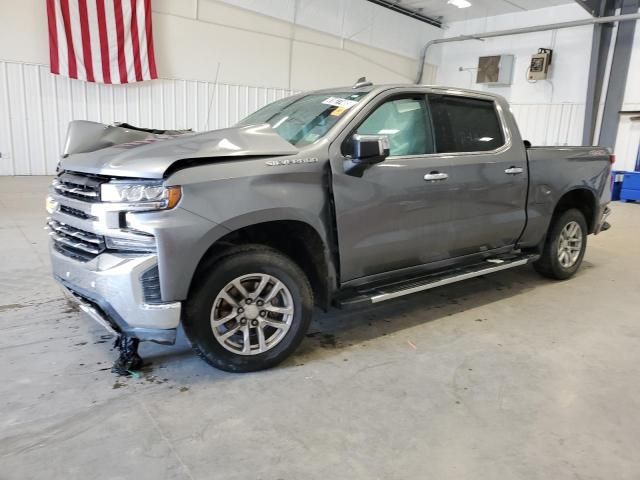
(79, 186)
(75, 242)
(78, 255)
(74, 212)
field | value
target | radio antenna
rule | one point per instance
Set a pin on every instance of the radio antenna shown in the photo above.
(215, 84)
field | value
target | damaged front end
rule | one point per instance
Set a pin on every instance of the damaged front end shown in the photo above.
(117, 225)
(109, 269)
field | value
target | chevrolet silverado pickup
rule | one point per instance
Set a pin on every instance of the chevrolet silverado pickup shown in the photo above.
(341, 197)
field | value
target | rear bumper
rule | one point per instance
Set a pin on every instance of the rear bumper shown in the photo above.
(109, 289)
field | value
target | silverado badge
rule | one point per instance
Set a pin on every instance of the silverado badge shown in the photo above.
(291, 161)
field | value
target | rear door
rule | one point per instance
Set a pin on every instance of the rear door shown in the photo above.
(390, 217)
(488, 173)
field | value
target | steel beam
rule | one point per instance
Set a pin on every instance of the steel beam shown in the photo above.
(601, 40)
(596, 8)
(618, 76)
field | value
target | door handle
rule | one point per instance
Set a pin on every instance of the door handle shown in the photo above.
(514, 171)
(434, 176)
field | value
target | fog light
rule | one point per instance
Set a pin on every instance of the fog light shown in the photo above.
(142, 244)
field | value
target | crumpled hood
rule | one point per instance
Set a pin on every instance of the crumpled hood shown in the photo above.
(111, 150)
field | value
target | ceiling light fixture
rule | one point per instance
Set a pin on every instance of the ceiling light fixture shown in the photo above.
(459, 3)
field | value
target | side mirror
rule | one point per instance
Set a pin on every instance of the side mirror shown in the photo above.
(369, 149)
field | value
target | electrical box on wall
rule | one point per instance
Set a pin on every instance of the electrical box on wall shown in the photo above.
(540, 63)
(496, 70)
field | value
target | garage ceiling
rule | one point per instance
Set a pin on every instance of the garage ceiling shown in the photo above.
(478, 8)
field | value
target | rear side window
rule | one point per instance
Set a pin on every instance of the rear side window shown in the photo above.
(465, 124)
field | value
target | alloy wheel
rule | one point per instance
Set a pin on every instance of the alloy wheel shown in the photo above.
(252, 314)
(570, 244)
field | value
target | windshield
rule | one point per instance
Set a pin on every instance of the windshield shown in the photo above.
(304, 120)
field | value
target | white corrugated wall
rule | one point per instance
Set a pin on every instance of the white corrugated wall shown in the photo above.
(35, 108)
(545, 124)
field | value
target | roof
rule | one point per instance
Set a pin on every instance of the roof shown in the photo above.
(428, 88)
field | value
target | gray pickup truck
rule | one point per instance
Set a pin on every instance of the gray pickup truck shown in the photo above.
(338, 197)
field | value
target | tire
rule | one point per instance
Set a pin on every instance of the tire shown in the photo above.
(224, 292)
(552, 263)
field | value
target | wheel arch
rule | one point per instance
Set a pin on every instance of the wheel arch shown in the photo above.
(581, 198)
(292, 234)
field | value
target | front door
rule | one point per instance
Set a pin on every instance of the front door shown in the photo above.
(391, 217)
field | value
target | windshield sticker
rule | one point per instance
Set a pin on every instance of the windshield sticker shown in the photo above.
(338, 111)
(340, 102)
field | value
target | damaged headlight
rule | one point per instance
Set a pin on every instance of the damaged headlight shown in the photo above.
(155, 194)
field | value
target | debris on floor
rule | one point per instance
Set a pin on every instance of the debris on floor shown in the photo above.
(128, 362)
(326, 340)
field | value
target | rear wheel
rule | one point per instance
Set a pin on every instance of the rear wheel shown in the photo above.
(250, 312)
(564, 247)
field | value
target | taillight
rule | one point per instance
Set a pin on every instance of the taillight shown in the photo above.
(612, 158)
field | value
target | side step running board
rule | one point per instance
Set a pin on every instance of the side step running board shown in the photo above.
(369, 294)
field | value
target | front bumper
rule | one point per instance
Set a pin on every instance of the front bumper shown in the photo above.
(109, 289)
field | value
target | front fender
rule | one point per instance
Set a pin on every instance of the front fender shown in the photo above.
(277, 214)
(236, 194)
(182, 239)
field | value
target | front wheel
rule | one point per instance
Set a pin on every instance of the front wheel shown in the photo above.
(564, 247)
(250, 312)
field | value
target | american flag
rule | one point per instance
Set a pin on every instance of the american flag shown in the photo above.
(105, 41)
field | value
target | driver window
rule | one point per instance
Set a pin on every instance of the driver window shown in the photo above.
(404, 121)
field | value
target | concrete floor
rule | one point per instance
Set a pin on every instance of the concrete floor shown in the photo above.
(505, 377)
